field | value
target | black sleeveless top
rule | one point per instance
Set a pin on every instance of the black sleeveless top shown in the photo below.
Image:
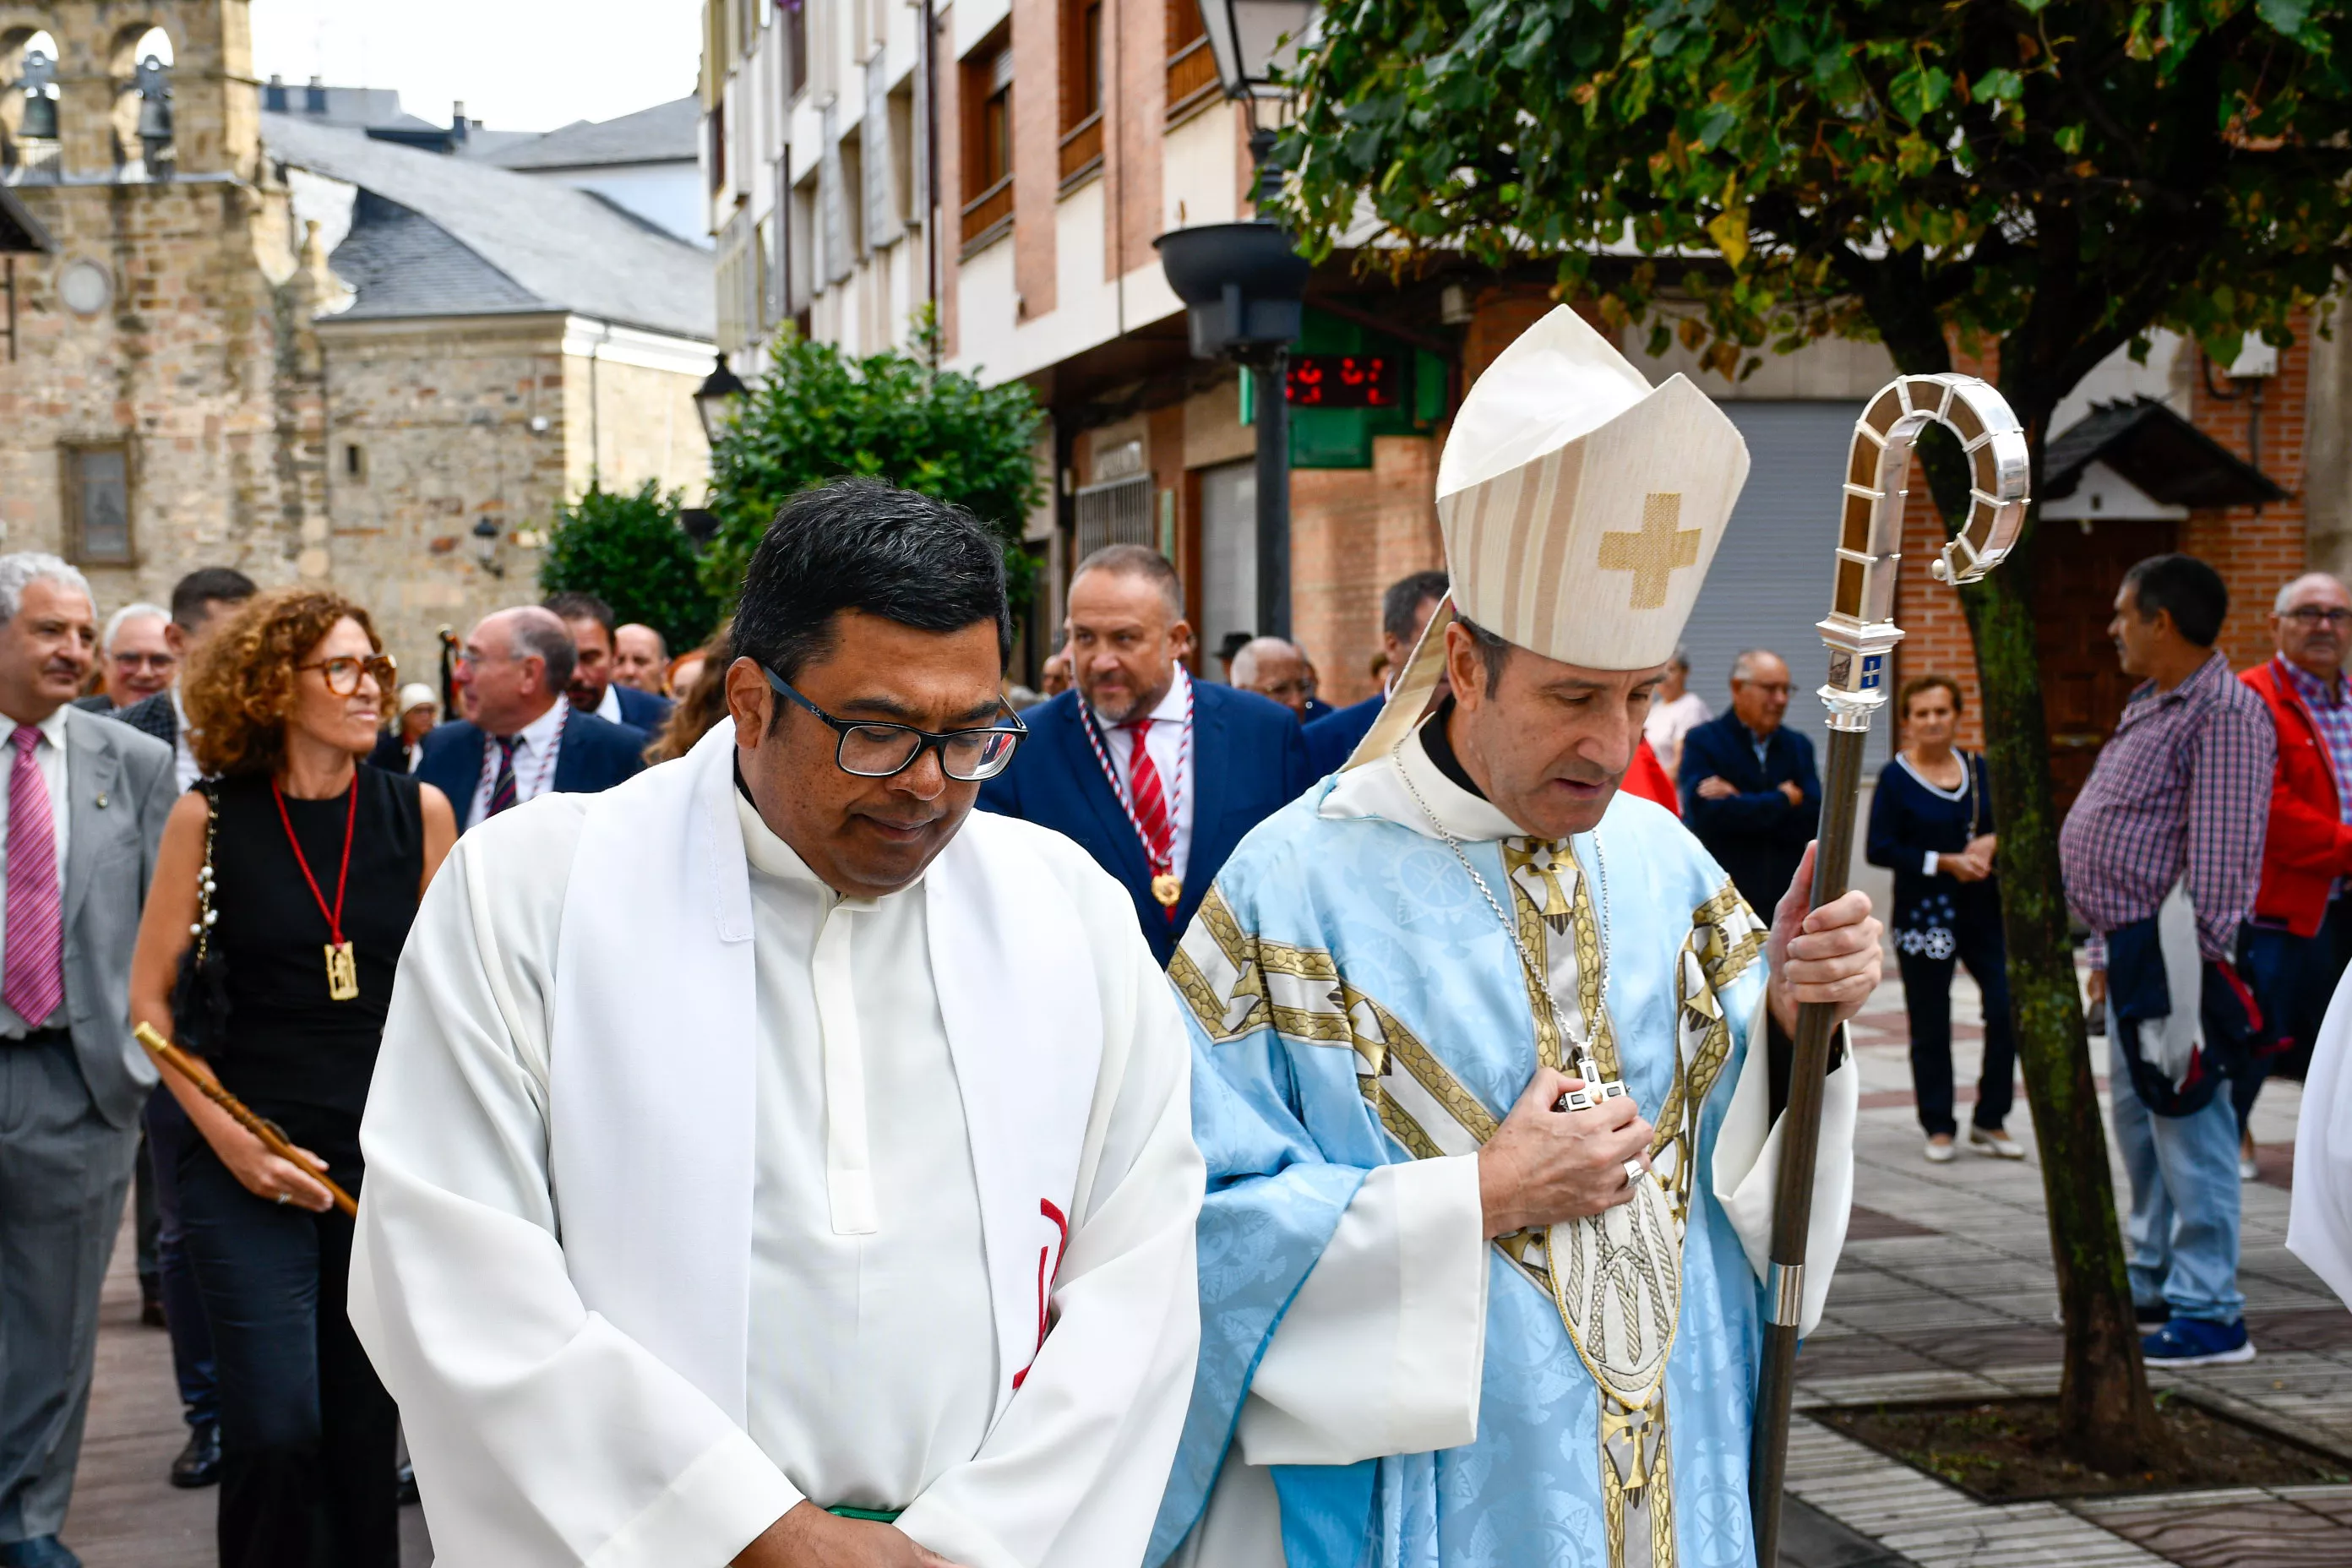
(289, 1044)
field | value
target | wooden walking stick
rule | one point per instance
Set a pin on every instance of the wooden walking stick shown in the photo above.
(1860, 633)
(261, 1127)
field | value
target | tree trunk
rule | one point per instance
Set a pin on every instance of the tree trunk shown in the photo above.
(2104, 1407)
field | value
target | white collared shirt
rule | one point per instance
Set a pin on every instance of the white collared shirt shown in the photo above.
(49, 756)
(538, 747)
(184, 766)
(865, 1211)
(608, 708)
(1165, 742)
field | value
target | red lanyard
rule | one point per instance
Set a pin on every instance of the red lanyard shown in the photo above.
(342, 877)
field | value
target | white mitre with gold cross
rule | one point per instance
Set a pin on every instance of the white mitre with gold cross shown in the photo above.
(1580, 507)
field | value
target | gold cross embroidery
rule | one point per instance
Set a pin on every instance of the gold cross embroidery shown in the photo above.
(1656, 553)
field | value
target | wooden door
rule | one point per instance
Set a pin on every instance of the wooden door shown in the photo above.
(2078, 569)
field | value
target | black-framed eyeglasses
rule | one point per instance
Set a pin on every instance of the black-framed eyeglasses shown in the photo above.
(2317, 615)
(874, 750)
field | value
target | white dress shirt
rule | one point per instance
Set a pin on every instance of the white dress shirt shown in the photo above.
(183, 756)
(539, 746)
(887, 1274)
(49, 756)
(1166, 739)
(608, 707)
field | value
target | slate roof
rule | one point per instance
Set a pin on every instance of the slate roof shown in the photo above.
(2169, 459)
(462, 237)
(668, 132)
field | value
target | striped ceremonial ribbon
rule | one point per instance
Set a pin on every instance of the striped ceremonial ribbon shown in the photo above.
(1159, 848)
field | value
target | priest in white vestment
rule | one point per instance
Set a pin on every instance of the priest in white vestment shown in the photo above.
(1484, 1058)
(771, 1162)
(2319, 1218)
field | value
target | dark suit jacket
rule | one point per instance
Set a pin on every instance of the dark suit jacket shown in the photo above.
(1248, 760)
(1756, 835)
(151, 716)
(642, 709)
(391, 754)
(594, 756)
(99, 703)
(1331, 737)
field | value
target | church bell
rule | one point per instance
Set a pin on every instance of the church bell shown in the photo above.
(40, 122)
(155, 103)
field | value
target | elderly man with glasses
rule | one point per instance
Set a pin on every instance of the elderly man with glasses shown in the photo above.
(2294, 945)
(876, 1240)
(521, 739)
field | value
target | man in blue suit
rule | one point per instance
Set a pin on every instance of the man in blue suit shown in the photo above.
(524, 739)
(593, 689)
(1405, 610)
(1748, 788)
(1155, 774)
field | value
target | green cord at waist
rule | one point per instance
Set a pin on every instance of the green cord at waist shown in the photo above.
(878, 1515)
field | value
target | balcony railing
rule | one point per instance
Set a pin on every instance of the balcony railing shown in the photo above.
(1082, 150)
(1191, 78)
(987, 215)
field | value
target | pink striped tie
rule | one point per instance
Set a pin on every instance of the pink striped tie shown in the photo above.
(33, 979)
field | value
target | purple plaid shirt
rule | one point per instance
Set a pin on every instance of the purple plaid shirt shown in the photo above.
(2183, 787)
(2333, 715)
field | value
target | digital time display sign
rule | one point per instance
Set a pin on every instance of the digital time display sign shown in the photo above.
(1344, 380)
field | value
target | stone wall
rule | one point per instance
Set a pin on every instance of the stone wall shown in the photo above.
(196, 363)
(432, 433)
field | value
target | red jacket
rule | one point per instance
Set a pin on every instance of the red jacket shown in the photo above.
(2309, 845)
(1647, 778)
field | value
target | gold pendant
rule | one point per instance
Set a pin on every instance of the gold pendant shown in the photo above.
(342, 973)
(1168, 888)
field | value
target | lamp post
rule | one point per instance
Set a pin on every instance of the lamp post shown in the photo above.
(1242, 284)
(716, 399)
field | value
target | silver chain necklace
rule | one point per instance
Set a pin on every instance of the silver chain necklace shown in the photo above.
(1511, 927)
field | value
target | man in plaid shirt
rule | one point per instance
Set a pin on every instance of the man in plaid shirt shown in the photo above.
(2296, 945)
(2180, 796)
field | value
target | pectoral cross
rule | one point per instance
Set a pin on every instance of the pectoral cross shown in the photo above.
(1655, 553)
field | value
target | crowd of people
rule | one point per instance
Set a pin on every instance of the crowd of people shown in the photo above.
(229, 819)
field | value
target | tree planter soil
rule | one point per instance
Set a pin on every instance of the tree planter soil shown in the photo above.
(2011, 1450)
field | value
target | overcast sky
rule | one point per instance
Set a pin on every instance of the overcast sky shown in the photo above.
(518, 65)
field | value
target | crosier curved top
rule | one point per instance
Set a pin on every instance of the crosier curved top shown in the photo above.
(1860, 631)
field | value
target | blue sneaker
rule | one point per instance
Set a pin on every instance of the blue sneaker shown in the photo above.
(2196, 1341)
(38, 1551)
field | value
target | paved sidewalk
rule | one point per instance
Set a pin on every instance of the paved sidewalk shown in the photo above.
(1947, 1290)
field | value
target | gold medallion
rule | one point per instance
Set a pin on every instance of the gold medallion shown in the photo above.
(1168, 888)
(342, 973)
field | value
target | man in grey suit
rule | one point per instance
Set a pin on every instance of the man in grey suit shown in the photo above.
(82, 804)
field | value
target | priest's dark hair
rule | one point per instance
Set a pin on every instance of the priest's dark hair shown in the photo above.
(862, 544)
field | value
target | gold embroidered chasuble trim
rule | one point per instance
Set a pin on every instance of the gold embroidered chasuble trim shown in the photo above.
(1236, 983)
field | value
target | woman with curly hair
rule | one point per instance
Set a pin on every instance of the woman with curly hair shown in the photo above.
(699, 702)
(282, 894)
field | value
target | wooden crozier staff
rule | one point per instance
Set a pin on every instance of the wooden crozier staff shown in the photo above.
(1860, 633)
(168, 1055)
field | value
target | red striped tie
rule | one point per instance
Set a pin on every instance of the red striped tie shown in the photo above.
(33, 974)
(1151, 813)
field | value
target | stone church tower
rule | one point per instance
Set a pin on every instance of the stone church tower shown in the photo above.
(163, 409)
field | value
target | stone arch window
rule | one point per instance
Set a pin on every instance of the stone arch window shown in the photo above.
(28, 106)
(140, 65)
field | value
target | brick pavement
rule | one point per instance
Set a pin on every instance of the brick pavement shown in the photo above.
(1945, 1288)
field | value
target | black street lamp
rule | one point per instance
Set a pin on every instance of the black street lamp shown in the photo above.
(1242, 284)
(716, 399)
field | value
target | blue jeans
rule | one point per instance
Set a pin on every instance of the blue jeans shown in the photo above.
(169, 1131)
(2182, 1234)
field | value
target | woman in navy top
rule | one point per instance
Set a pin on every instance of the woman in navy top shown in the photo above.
(1931, 823)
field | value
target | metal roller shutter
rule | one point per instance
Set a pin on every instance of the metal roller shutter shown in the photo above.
(1770, 580)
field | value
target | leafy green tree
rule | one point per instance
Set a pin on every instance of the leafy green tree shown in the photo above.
(820, 413)
(2038, 181)
(628, 550)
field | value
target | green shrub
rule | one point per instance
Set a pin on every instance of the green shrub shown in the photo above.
(628, 550)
